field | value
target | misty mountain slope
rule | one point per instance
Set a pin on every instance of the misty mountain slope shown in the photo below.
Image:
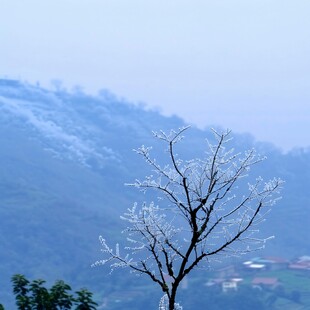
(64, 159)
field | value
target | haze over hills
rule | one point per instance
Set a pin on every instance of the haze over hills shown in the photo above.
(64, 159)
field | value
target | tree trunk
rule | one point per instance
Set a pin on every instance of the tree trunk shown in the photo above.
(173, 295)
(171, 303)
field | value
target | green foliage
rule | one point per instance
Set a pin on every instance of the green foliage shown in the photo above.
(40, 295)
(35, 296)
(84, 300)
(60, 295)
(21, 291)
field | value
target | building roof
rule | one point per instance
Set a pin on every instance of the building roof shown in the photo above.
(277, 260)
(301, 266)
(256, 266)
(265, 281)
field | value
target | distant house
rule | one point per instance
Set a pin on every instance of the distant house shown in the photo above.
(277, 263)
(252, 266)
(299, 266)
(268, 263)
(265, 282)
(215, 282)
(302, 264)
(304, 258)
(226, 284)
(229, 285)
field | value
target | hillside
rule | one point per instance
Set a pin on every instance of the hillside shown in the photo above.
(64, 159)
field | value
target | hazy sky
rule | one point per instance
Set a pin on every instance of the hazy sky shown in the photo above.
(241, 64)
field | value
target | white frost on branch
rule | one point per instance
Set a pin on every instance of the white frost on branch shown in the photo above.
(164, 304)
(206, 204)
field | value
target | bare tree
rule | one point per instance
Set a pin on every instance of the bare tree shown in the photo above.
(205, 212)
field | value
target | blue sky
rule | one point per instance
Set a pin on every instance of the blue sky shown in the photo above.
(239, 64)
